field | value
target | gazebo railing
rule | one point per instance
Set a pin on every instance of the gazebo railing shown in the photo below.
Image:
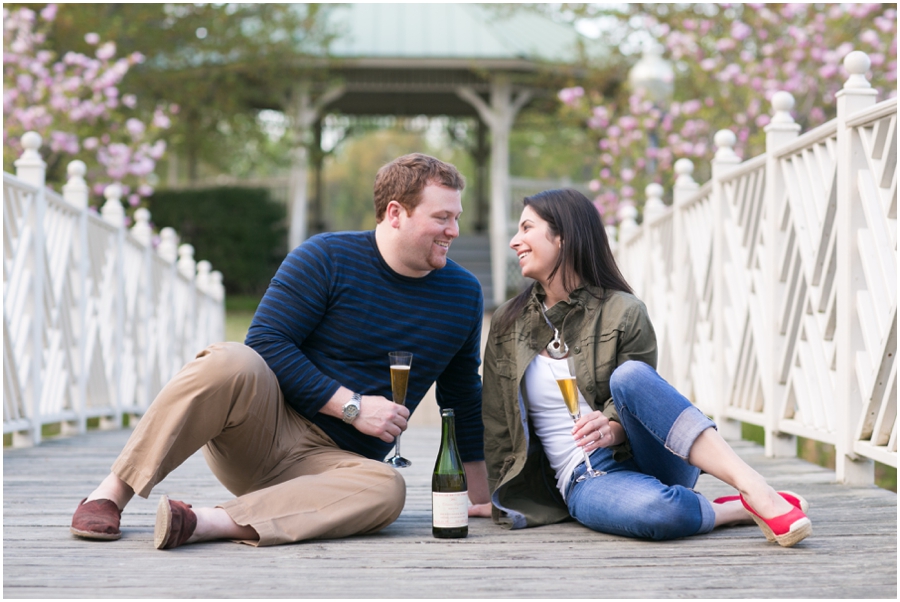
(95, 320)
(773, 288)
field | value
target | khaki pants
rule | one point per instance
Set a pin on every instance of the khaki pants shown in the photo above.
(293, 483)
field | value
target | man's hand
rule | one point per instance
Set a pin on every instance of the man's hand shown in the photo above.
(378, 416)
(381, 417)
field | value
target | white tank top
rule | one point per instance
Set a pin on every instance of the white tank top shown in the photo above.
(551, 420)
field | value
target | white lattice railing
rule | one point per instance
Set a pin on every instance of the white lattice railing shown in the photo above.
(95, 321)
(773, 288)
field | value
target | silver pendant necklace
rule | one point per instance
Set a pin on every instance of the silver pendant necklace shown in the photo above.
(556, 348)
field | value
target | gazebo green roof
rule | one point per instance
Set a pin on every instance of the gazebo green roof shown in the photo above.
(491, 36)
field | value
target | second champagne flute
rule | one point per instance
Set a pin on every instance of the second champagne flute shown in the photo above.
(401, 361)
(564, 372)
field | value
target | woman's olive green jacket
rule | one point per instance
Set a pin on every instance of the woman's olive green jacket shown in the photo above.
(603, 329)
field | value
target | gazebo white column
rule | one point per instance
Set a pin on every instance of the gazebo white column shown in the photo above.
(499, 116)
(303, 112)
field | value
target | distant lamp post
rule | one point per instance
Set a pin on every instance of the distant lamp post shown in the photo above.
(653, 75)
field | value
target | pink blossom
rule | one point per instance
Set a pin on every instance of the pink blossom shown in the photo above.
(726, 44)
(740, 31)
(605, 173)
(160, 120)
(569, 95)
(708, 64)
(594, 185)
(129, 100)
(49, 12)
(92, 38)
(627, 174)
(90, 143)
(145, 190)
(627, 192)
(134, 200)
(870, 37)
(135, 127)
(174, 108)
(628, 122)
(107, 51)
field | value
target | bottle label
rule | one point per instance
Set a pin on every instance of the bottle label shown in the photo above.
(450, 510)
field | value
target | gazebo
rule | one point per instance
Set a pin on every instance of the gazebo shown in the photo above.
(461, 60)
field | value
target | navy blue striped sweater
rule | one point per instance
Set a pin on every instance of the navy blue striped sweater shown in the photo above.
(335, 309)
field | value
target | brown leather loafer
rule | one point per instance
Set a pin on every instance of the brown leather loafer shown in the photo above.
(175, 523)
(97, 519)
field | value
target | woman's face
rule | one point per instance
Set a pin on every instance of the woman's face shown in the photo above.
(535, 246)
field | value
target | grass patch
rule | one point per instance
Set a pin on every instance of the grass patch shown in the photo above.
(236, 325)
(822, 454)
(241, 303)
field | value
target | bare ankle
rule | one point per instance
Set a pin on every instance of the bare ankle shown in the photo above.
(114, 489)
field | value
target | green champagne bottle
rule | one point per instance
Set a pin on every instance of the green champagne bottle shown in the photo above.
(449, 492)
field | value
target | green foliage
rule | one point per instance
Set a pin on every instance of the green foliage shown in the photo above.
(220, 63)
(240, 231)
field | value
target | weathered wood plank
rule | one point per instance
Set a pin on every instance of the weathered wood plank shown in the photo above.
(852, 554)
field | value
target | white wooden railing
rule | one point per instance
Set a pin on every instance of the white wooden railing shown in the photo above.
(95, 321)
(773, 287)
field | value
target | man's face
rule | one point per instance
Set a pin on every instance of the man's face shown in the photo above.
(426, 233)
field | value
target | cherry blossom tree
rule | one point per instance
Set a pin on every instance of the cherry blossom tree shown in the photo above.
(74, 103)
(729, 59)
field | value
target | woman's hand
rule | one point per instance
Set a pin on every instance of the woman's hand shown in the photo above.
(594, 430)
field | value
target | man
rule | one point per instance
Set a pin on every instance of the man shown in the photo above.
(297, 422)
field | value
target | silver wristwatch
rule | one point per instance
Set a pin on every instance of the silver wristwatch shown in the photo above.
(351, 408)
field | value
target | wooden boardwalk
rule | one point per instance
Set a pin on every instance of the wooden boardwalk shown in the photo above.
(852, 554)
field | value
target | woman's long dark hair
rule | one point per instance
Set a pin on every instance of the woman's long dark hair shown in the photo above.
(585, 247)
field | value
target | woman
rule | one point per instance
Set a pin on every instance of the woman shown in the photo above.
(651, 441)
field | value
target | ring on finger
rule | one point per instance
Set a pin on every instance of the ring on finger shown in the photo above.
(600, 432)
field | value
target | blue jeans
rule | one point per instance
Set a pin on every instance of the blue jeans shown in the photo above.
(649, 495)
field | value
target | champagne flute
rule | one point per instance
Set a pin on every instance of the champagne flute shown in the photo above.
(401, 361)
(565, 378)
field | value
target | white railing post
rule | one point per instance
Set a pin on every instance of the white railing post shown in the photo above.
(143, 233)
(724, 161)
(627, 221)
(114, 214)
(780, 131)
(857, 94)
(75, 192)
(32, 169)
(188, 268)
(685, 187)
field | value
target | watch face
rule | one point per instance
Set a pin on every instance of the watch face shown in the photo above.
(350, 411)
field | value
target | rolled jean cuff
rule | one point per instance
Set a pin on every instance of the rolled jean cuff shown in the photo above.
(685, 430)
(707, 515)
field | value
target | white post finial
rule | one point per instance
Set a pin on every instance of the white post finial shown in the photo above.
(684, 168)
(218, 289)
(627, 219)
(203, 272)
(141, 229)
(76, 189)
(782, 102)
(611, 233)
(168, 245)
(186, 264)
(725, 141)
(654, 206)
(30, 167)
(112, 211)
(857, 64)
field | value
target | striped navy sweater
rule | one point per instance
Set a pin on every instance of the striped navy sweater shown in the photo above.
(335, 309)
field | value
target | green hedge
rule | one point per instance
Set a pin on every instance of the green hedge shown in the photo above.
(241, 231)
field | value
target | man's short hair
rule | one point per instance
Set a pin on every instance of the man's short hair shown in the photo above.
(404, 178)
